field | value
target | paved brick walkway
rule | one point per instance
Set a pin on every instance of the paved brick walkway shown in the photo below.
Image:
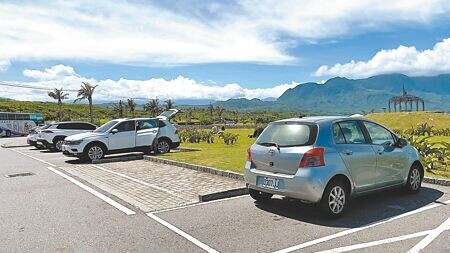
(152, 186)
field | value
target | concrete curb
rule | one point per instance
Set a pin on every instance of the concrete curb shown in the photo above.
(223, 194)
(119, 159)
(438, 181)
(223, 173)
(14, 146)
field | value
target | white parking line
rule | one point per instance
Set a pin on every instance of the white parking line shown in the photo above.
(182, 233)
(379, 242)
(354, 230)
(430, 237)
(32, 157)
(108, 200)
(141, 182)
(198, 204)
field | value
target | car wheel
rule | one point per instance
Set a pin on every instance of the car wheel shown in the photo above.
(94, 152)
(163, 146)
(414, 181)
(259, 195)
(58, 144)
(8, 133)
(334, 199)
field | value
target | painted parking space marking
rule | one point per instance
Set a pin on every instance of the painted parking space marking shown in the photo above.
(430, 237)
(199, 204)
(182, 233)
(354, 230)
(99, 195)
(32, 157)
(381, 242)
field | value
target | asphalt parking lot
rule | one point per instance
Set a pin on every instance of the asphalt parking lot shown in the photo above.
(174, 220)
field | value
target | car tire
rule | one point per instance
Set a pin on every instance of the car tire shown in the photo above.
(57, 144)
(163, 146)
(415, 177)
(94, 152)
(259, 195)
(335, 199)
(8, 133)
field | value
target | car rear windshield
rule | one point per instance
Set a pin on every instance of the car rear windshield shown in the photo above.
(288, 134)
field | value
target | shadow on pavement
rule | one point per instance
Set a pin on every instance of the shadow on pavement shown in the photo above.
(361, 211)
(107, 158)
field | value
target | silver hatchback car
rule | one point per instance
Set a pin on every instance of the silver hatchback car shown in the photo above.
(328, 160)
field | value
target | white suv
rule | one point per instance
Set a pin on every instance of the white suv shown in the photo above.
(125, 135)
(52, 137)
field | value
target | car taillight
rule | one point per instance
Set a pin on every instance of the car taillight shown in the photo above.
(313, 158)
(249, 155)
(47, 131)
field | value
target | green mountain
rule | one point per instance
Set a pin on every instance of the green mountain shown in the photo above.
(346, 96)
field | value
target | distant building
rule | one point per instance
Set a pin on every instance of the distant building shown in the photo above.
(405, 102)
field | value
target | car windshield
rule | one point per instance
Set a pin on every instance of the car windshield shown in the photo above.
(105, 127)
(288, 134)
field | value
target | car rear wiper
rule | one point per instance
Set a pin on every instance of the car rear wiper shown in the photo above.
(270, 144)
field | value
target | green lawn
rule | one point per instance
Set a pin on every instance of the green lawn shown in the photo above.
(232, 157)
(217, 154)
(406, 120)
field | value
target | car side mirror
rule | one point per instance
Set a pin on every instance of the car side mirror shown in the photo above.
(114, 131)
(401, 142)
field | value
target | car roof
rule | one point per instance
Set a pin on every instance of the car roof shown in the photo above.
(321, 119)
(65, 122)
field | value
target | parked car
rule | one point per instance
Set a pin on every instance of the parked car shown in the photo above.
(328, 160)
(53, 136)
(125, 135)
(33, 135)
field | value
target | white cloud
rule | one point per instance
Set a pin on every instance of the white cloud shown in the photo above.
(4, 64)
(406, 60)
(50, 73)
(147, 33)
(112, 90)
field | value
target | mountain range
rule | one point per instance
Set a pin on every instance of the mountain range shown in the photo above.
(340, 95)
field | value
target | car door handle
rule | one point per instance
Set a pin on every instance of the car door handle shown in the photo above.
(347, 152)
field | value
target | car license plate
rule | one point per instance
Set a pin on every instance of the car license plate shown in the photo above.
(271, 183)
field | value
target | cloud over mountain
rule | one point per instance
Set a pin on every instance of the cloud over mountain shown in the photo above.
(406, 60)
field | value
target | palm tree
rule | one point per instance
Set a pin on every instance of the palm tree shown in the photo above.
(131, 106)
(152, 107)
(85, 92)
(169, 104)
(119, 108)
(59, 95)
(220, 111)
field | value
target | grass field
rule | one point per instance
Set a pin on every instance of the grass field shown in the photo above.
(232, 157)
(405, 120)
(217, 154)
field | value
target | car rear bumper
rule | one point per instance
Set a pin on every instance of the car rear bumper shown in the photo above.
(305, 185)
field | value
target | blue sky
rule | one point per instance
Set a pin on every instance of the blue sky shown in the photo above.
(215, 49)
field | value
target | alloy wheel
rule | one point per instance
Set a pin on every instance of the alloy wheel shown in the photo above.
(415, 179)
(163, 147)
(59, 144)
(95, 153)
(336, 199)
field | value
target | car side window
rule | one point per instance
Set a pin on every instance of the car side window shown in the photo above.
(126, 126)
(338, 135)
(378, 134)
(352, 132)
(147, 124)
